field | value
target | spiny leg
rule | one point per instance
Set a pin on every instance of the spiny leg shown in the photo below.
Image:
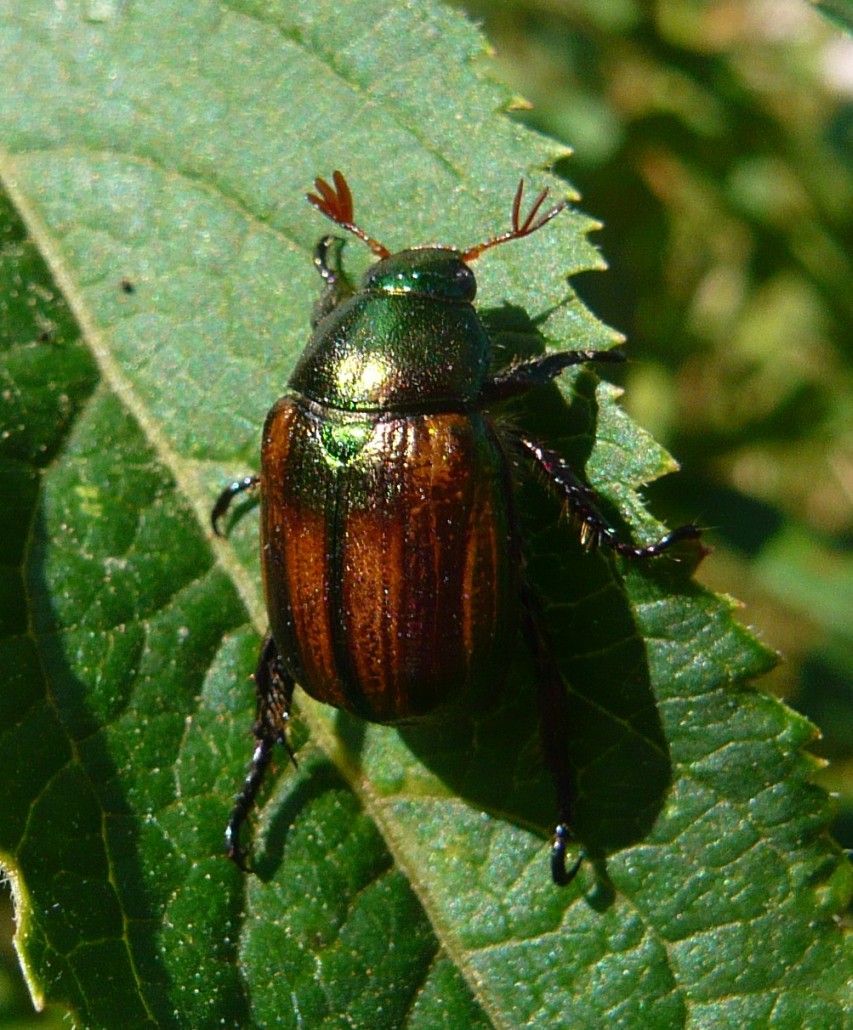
(580, 498)
(274, 689)
(223, 502)
(581, 501)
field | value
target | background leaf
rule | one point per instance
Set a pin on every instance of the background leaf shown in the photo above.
(157, 157)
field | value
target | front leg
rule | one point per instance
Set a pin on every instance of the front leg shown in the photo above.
(274, 689)
(336, 285)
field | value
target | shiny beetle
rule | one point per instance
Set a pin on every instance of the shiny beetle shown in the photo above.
(390, 545)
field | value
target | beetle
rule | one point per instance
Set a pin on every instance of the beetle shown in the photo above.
(391, 548)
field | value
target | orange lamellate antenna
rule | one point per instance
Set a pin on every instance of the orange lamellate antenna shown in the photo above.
(335, 202)
(519, 228)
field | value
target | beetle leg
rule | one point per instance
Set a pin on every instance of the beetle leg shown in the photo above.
(223, 502)
(581, 501)
(525, 375)
(337, 287)
(551, 699)
(554, 732)
(274, 689)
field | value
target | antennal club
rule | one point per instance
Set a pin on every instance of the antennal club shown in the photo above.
(520, 228)
(335, 202)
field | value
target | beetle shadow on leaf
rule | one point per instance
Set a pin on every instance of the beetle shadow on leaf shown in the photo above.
(514, 334)
(490, 754)
(317, 779)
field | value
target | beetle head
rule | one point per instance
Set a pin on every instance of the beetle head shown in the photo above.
(427, 271)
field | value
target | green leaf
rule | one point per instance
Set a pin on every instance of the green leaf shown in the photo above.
(157, 155)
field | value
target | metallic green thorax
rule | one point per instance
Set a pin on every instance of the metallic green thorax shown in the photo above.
(409, 340)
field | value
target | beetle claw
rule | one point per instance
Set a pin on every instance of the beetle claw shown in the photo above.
(562, 876)
(223, 502)
(234, 852)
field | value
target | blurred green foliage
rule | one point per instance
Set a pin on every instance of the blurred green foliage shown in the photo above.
(714, 140)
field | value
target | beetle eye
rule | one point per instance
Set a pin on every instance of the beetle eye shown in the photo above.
(466, 281)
